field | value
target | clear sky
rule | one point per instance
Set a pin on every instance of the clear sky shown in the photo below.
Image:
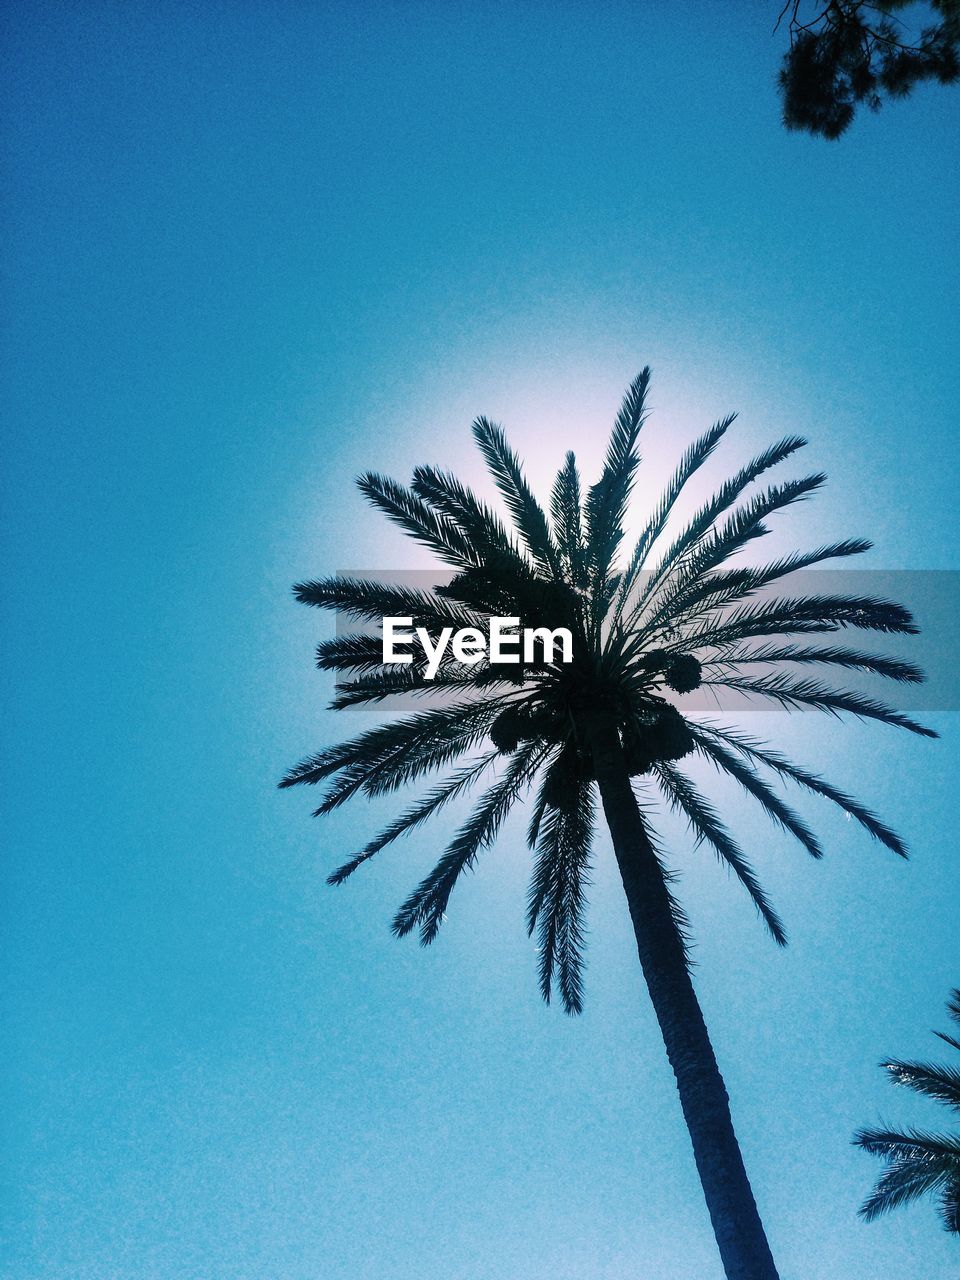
(251, 249)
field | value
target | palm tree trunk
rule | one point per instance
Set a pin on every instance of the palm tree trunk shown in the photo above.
(703, 1097)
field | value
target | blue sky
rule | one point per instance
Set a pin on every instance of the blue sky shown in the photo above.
(250, 251)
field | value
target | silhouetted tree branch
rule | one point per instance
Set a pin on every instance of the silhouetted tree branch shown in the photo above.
(919, 1162)
(850, 52)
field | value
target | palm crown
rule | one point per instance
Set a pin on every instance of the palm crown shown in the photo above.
(919, 1162)
(647, 629)
(666, 622)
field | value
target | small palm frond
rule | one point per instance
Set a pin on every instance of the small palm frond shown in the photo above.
(607, 500)
(953, 1008)
(827, 655)
(539, 805)
(507, 472)
(775, 808)
(455, 501)
(412, 680)
(405, 764)
(918, 1163)
(940, 1083)
(358, 652)
(706, 826)
(374, 601)
(566, 513)
(453, 725)
(782, 616)
(425, 907)
(415, 517)
(557, 901)
(811, 693)
(709, 590)
(745, 524)
(704, 520)
(949, 1207)
(432, 803)
(690, 463)
(904, 1144)
(761, 754)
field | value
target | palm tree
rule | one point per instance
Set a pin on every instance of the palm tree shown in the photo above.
(673, 617)
(919, 1163)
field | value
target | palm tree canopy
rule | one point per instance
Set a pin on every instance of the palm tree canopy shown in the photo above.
(919, 1162)
(650, 624)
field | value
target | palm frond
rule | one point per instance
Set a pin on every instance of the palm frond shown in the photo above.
(417, 519)
(918, 1163)
(404, 764)
(356, 652)
(949, 1207)
(953, 1005)
(361, 598)
(782, 616)
(776, 809)
(826, 655)
(715, 590)
(425, 907)
(566, 513)
(705, 823)
(455, 501)
(746, 523)
(773, 760)
(538, 810)
(953, 1008)
(411, 680)
(690, 463)
(507, 472)
(791, 693)
(557, 900)
(431, 803)
(448, 725)
(710, 512)
(906, 1143)
(607, 500)
(941, 1083)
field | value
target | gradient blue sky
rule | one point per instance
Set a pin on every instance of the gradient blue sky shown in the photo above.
(251, 249)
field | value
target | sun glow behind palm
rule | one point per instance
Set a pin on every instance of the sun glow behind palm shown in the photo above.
(681, 592)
